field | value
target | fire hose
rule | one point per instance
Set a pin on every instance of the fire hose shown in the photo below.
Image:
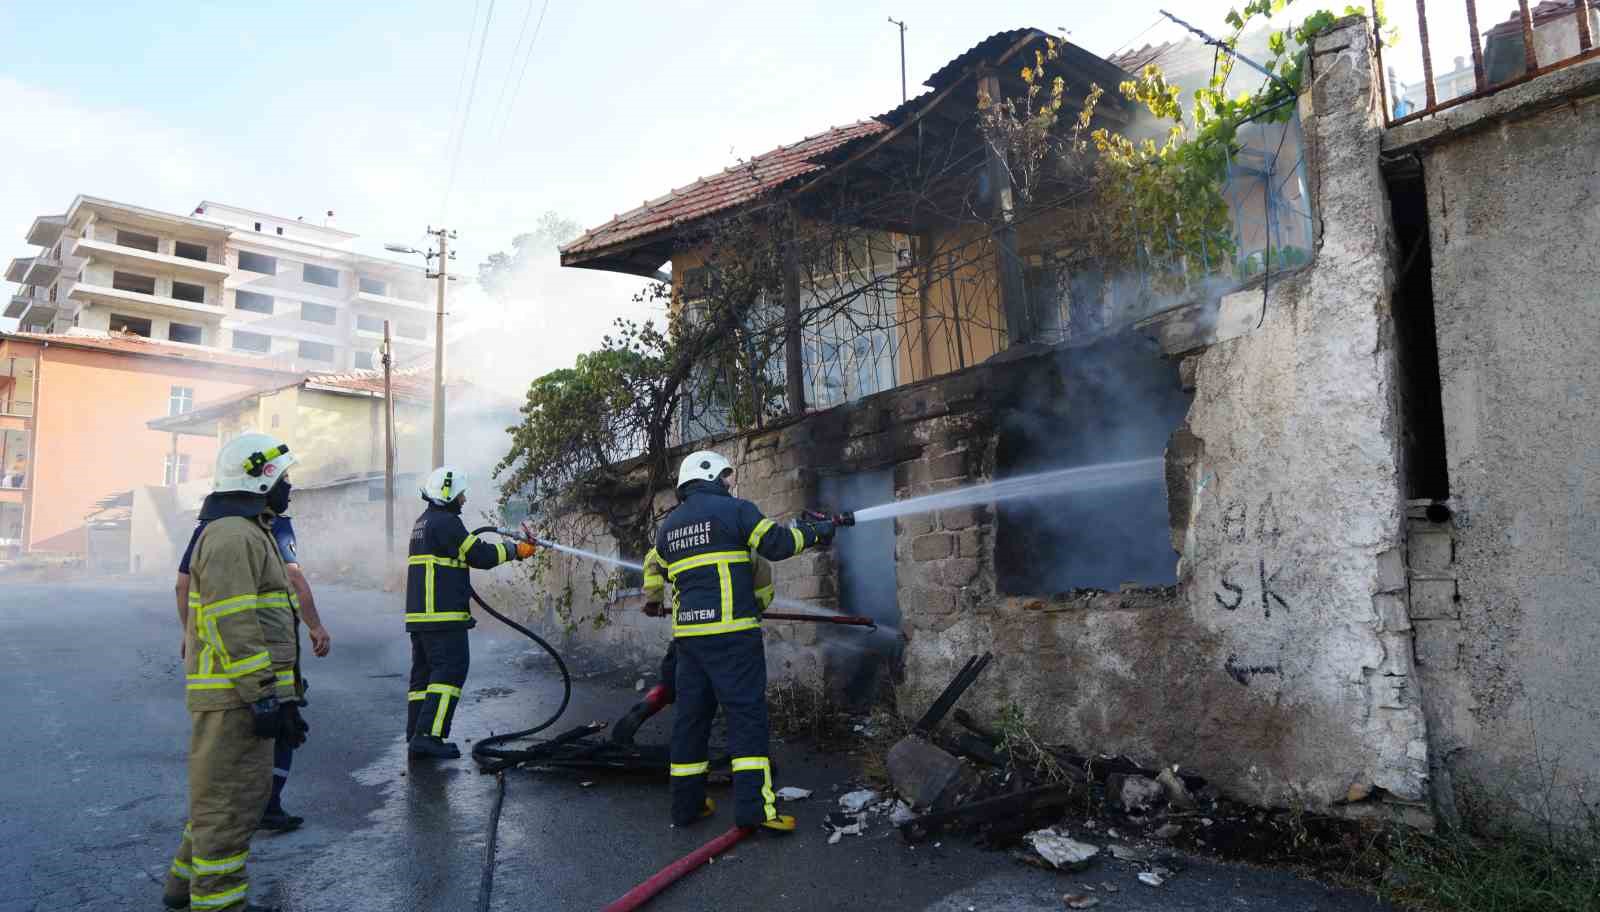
(491, 758)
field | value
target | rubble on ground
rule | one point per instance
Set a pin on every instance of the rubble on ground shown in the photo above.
(1057, 808)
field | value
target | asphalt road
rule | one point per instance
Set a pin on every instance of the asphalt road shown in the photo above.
(94, 798)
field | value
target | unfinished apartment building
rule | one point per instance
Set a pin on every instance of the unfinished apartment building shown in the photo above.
(1364, 580)
(222, 277)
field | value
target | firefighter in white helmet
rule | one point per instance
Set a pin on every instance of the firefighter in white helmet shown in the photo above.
(708, 545)
(439, 609)
(239, 660)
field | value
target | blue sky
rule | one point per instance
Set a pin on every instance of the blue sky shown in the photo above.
(298, 107)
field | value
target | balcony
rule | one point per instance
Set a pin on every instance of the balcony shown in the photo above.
(40, 312)
(158, 305)
(18, 268)
(20, 301)
(42, 270)
(46, 230)
(385, 301)
(107, 252)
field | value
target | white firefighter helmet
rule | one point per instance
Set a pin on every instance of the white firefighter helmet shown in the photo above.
(443, 485)
(252, 463)
(703, 465)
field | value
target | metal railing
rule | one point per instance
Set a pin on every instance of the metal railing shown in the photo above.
(1533, 41)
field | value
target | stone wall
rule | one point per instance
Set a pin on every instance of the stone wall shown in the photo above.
(1279, 665)
(1505, 599)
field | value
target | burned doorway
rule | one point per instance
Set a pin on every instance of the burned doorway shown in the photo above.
(1117, 400)
(858, 661)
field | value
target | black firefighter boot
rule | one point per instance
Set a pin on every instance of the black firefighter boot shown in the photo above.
(438, 748)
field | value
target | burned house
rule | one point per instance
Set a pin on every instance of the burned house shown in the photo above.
(1354, 579)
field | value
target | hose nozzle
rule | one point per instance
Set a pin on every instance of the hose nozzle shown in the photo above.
(842, 518)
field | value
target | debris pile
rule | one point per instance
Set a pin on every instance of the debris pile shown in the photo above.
(1053, 807)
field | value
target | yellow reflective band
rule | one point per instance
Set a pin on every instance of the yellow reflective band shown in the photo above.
(236, 603)
(181, 870)
(694, 630)
(445, 692)
(218, 900)
(220, 865)
(760, 532)
(764, 765)
(286, 677)
(417, 617)
(765, 595)
(691, 769)
(799, 540)
(725, 584)
(466, 545)
(654, 581)
(244, 666)
(194, 600)
(706, 560)
(420, 560)
(413, 696)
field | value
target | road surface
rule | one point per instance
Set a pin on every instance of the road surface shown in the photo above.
(92, 805)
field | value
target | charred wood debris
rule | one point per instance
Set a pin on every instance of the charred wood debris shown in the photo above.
(1058, 808)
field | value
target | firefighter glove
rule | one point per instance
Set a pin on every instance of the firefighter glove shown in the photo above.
(823, 529)
(265, 721)
(525, 550)
(292, 726)
(654, 609)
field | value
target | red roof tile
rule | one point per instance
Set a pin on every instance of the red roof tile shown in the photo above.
(720, 192)
(127, 343)
(406, 382)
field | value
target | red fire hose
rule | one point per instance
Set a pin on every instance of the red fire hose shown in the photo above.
(664, 878)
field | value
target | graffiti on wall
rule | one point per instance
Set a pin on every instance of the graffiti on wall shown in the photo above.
(1248, 583)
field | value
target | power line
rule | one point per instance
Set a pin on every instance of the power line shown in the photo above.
(516, 49)
(466, 52)
(505, 121)
(466, 114)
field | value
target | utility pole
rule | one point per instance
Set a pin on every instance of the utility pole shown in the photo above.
(388, 438)
(902, 26)
(443, 253)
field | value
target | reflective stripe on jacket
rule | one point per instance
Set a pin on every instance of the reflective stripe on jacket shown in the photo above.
(241, 638)
(708, 546)
(436, 572)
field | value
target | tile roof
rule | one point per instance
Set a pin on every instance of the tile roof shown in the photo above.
(406, 382)
(130, 344)
(719, 192)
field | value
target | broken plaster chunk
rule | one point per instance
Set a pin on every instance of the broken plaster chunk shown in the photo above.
(854, 802)
(835, 836)
(1137, 793)
(1079, 901)
(1177, 793)
(638, 685)
(1168, 831)
(1150, 879)
(791, 793)
(901, 814)
(1063, 853)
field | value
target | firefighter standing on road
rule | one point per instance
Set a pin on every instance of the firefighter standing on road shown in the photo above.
(706, 544)
(239, 659)
(438, 610)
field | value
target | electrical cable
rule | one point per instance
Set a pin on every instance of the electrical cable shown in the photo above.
(466, 114)
(516, 92)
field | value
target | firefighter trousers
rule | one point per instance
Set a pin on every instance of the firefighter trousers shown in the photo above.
(230, 779)
(439, 661)
(729, 669)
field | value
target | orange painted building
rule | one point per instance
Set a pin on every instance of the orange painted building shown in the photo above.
(73, 438)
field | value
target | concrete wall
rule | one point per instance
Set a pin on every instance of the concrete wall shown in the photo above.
(1280, 664)
(1508, 629)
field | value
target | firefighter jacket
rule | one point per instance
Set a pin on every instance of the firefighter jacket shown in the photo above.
(241, 636)
(655, 578)
(437, 593)
(707, 547)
